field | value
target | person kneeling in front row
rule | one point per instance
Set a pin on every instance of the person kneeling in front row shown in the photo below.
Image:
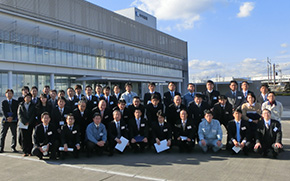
(45, 138)
(210, 133)
(96, 135)
(268, 135)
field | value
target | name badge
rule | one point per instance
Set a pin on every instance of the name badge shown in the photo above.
(243, 128)
(65, 115)
(178, 110)
(76, 103)
(61, 123)
(125, 116)
(214, 131)
(188, 127)
(239, 97)
(49, 133)
(74, 132)
(148, 102)
(123, 127)
(214, 98)
(227, 113)
(101, 134)
(142, 125)
(275, 129)
(95, 102)
(106, 117)
(36, 117)
(165, 130)
(203, 129)
(111, 102)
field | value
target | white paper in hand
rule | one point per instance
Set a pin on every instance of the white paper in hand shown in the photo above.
(68, 149)
(22, 126)
(162, 147)
(236, 149)
(122, 145)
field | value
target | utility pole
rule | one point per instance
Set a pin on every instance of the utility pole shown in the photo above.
(269, 67)
(274, 75)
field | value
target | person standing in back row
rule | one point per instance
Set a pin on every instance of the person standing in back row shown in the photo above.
(169, 95)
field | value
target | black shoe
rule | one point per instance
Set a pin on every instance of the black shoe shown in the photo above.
(1, 151)
(14, 150)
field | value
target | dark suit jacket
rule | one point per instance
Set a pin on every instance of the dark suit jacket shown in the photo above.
(245, 98)
(82, 121)
(112, 130)
(244, 131)
(6, 109)
(132, 108)
(41, 138)
(70, 137)
(275, 132)
(107, 117)
(236, 101)
(133, 129)
(36, 101)
(147, 97)
(93, 103)
(125, 114)
(53, 105)
(111, 102)
(161, 133)
(224, 115)
(118, 98)
(57, 118)
(211, 98)
(196, 113)
(172, 114)
(20, 99)
(260, 99)
(41, 109)
(26, 116)
(189, 130)
(168, 99)
(151, 112)
(72, 104)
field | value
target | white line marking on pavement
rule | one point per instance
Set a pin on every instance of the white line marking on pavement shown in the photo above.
(85, 168)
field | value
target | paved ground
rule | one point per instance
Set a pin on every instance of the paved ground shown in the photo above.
(151, 166)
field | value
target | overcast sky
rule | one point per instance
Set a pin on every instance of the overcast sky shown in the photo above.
(229, 38)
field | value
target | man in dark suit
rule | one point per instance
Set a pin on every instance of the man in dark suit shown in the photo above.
(138, 131)
(45, 138)
(78, 92)
(24, 91)
(92, 101)
(222, 111)
(110, 99)
(46, 90)
(235, 97)
(123, 110)
(9, 110)
(117, 129)
(117, 93)
(53, 100)
(268, 135)
(172, 113)
(106, 113)
(70, 137)
(72, 99)
(169, 96)
(245, 90)
(26, 116)
(161, 130)
(59, 114)
(153, 108)
(136, 104)
(238, 133)
(34, 93)
(210, 95)
(262, 97)
(82, 119)
(196, 111)
(185, 130)
(147, 96)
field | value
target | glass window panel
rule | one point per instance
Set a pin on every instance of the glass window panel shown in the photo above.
(46, 56)
(8, 51)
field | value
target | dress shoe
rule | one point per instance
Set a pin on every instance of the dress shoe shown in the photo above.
(14, 150)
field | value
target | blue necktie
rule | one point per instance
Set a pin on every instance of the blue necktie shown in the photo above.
(238, 132)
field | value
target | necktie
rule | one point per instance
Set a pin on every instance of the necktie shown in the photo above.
(238, 132)
(10, 105)
(138, 124)
(192, 95)
(183, 125)
(70, 127)
(118, 130)
(267, 125)
(161, 127)
(234, 94)
(45, 129)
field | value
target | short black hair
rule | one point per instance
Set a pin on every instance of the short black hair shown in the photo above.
(251, 94)
(25, 88)
(9, 90)
(191, 84)
(152, 83)
(233, 81)
(29, 94)
(210, 82)
(61, 98)
(238, 110)
(222, 97)
(207, 111)
(78, 86)
(34, 87)
(155, 96)
(128, 84)
(121, 101)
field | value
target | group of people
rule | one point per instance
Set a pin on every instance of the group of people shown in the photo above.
(54, 124)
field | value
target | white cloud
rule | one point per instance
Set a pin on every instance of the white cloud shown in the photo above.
(284, 45)
(185, 10)
(208, 69)
(245, 9)
(283, 52)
